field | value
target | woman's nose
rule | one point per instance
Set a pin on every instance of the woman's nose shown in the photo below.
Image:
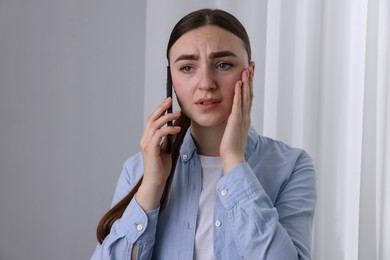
(207, 79)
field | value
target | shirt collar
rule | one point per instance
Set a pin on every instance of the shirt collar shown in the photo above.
(188, 148)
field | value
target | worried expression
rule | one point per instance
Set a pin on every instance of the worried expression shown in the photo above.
(206, 64)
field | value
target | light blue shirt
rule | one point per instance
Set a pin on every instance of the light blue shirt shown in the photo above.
(264, 208)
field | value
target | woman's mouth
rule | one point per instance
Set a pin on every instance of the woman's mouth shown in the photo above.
(208, 103)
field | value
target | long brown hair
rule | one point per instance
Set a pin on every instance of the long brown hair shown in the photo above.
(189, 22)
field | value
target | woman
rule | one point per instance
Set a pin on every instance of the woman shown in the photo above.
(225, 192)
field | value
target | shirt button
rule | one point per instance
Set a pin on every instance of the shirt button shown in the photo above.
(185, 157)
(140, 227)
(224, 192)
(218, 223)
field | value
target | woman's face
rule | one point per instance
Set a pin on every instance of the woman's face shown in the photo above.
(205, 65)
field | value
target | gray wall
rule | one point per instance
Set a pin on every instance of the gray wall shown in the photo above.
(71, 112)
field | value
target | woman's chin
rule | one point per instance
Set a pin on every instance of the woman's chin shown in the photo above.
(208, 123)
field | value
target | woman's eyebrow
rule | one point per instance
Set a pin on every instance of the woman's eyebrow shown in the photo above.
(187, 57)
(221, 54)
(213, 55)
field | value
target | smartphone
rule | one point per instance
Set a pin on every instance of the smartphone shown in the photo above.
(169, 110)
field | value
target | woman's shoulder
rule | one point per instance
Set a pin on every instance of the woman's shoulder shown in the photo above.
(133, 168)
(274, 150)
(277, 164)
(134, 160)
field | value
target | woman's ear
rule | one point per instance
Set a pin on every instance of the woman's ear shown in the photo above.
(252, 67)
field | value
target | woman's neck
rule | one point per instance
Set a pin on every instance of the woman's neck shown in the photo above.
(207, 139)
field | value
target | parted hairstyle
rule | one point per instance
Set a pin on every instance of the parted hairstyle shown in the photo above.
(189, 22)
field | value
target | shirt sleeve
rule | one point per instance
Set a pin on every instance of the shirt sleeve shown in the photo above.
(134, 227)
(263, 229)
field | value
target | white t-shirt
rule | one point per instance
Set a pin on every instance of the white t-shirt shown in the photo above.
(211, 173)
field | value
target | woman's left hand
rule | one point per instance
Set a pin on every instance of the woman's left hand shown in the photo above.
(232, 148)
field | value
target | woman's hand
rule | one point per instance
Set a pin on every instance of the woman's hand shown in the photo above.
(157, 162)
(232, 148)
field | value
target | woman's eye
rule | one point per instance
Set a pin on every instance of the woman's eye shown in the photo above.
(224, 65)
(186, 68)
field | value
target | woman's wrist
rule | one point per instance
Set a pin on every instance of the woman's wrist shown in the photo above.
(229, 164)
(149, 196)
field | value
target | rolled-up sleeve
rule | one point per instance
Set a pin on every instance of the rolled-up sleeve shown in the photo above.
(267, 229)
(134, 227)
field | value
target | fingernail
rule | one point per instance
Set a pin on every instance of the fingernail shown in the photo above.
(167, 99)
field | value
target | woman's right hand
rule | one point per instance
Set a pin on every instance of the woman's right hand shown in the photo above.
(157, 162)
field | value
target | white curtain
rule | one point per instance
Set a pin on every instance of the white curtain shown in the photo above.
(322, 83)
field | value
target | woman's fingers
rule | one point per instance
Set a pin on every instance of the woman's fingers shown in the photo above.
(158, 118)
(251, 70)
(164, 119)
(158, 113)
(170, 130)
(237, 100)
(160, 110)
(242, 97)
(155, 131)
(247, 93)
(153, 139)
